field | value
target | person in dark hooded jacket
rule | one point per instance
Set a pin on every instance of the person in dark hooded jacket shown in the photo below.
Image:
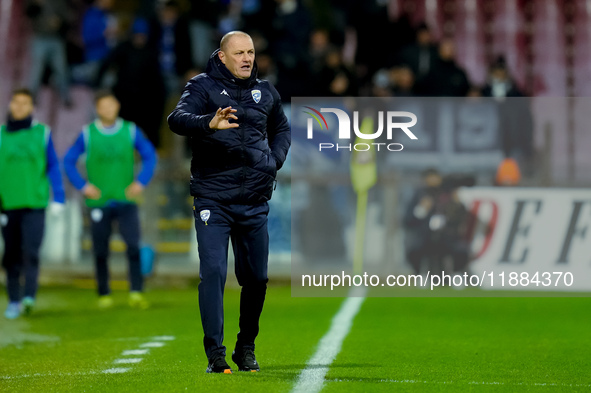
(239, 138)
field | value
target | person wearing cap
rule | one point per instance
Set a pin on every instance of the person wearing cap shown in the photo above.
(239, 138)
(112, 189)
(28, 165)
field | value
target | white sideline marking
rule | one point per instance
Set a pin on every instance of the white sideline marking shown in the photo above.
(155, 344)
(163, 338)
(127, 360)
(116, 370)
(401, 381)
(415, 381)
(135, 352)
(36, 375)
(311, 379)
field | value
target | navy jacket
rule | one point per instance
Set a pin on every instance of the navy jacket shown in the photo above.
(237, 165)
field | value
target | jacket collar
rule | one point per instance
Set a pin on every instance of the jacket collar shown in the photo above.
(16, 125)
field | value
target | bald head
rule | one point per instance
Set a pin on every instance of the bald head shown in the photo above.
(237, 53)
(228, 37)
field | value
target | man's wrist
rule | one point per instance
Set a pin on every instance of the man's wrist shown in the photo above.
(209, 119)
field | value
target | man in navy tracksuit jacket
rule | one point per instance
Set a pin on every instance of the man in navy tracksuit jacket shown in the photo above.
(239, 138)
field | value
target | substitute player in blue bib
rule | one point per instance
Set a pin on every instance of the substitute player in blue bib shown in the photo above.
(239, 138)
(28, 165)
(112, 189)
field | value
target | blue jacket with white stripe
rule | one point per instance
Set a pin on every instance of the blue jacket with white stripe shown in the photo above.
(237, 165)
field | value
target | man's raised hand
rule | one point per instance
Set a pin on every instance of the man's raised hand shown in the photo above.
(221, 120)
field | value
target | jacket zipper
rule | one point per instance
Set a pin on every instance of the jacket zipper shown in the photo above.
(243, 176)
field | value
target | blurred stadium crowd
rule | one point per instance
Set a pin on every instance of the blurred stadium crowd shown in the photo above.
(146, 50)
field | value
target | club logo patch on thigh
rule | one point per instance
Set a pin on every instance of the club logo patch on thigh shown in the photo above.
(3, 220)
(96, 215)
(204, 214)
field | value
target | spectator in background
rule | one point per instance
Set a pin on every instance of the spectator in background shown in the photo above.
(28, 165)
(449, 225)
(375, 34)
(335, 79)
(320, 46)
(417, 217)
(172, 38)
(204, 18)
(383, 83)
(290, 32)
(139, 86)
(436, 224)
(420, 56)
(99, 32)
(267, 69)
(446, 79)
(500, 85)
(516, 123)
(397, 81)
(49, 21)
(404, 82)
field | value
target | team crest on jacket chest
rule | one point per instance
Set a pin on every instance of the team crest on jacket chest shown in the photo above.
(256, 95)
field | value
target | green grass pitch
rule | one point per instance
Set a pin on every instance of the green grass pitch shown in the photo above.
(395, 344)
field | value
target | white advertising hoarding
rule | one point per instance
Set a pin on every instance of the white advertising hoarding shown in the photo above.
(541, 234)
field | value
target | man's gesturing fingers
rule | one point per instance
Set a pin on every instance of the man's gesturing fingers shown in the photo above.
(227, 111)
(221, 119)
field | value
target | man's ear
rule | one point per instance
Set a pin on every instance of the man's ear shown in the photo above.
(222, 57)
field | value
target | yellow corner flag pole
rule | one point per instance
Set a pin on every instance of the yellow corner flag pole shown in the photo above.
(363, 177)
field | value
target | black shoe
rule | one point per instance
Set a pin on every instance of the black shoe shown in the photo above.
(218, 365)
(245, 360)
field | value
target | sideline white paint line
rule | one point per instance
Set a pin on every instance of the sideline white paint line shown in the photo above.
(163, 338)
(415, 381)
(155, 344)
(135, 352)
(400, 381)
(311, 379)
(127, 360)
(43, 375)
(116, 370)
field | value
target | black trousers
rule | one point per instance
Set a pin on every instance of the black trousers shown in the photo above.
(246, 226)
(102, 219)
(22, 230)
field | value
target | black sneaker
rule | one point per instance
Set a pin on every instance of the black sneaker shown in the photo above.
(245, 360)
(218, 365)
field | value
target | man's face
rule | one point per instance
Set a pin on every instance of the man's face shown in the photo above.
(424, 37)
(433, 180)
(238, 57)
(21, 106)
(499, 74)
(446, 50)
(107, 109)
(104, 4)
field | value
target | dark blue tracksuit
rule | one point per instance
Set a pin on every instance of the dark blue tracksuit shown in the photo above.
(232, 176)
